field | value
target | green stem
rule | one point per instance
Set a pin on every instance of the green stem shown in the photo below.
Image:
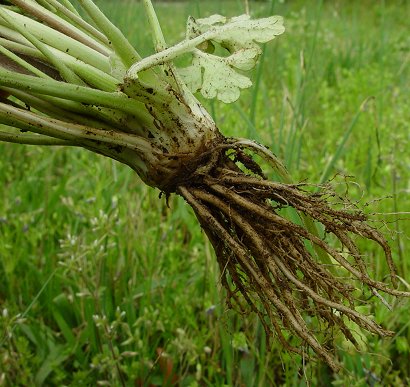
(32, 139)
(160, 44)
(21, 48)
(122, 47)
(158, 36)
(51, 38)
(67, 91)
(21, 28)
(73, 18)
(25, 65)
(67, 4)
(50, 106)
(91, 75)
(59, 24)
(11, 35)
(96, 117)
(131, 150)
(27, 120)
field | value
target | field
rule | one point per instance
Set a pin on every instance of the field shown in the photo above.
(101, 283)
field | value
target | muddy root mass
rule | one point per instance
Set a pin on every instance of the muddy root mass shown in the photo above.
(271, 262)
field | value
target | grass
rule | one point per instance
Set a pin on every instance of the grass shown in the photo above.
(99, 277)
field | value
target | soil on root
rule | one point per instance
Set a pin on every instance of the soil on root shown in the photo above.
(298, 283)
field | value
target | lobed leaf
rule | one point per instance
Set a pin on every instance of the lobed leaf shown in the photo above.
(218, 77)
(243, 32)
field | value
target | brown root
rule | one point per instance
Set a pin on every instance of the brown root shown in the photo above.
(272, 262)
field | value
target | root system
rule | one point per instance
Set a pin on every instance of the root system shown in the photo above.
(302, 286)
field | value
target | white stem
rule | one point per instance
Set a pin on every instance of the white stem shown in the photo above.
(173, 52)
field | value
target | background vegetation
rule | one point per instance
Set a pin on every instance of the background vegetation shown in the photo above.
(99, 277)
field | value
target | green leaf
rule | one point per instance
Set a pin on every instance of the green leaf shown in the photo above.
(57, 355)
(240, 342)
(402, 345)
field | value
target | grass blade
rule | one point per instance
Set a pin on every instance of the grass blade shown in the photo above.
(339, 150)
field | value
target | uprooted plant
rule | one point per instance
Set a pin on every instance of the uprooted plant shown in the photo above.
(74, 80)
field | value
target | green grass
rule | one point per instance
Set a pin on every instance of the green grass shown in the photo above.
(98, 275)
